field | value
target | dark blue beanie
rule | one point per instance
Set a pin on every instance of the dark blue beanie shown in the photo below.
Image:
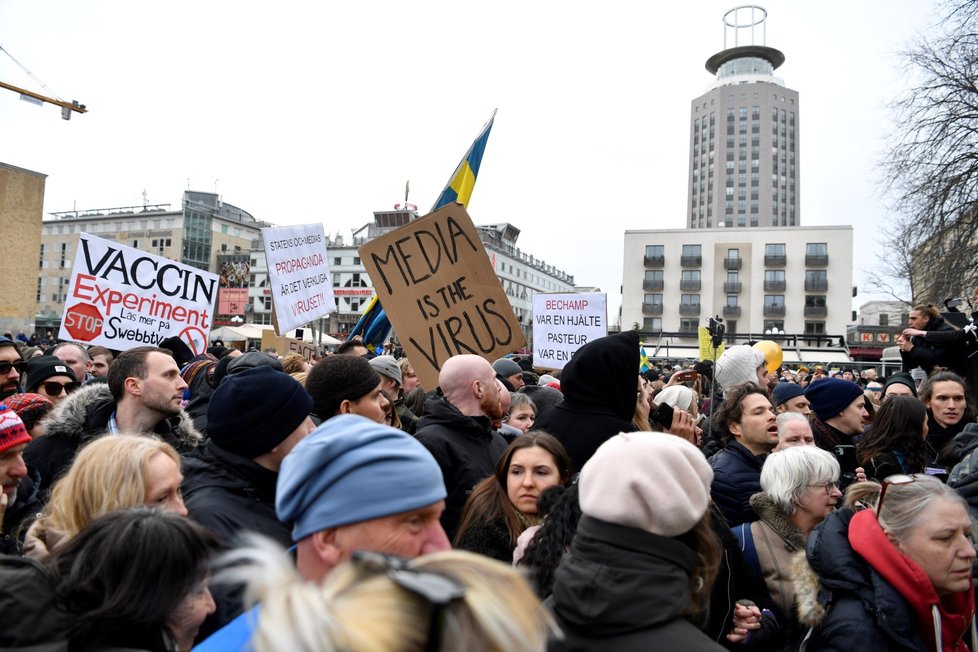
(830, 396)
(785, 392)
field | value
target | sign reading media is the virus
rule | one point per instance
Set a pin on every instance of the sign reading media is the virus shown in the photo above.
(121, 298)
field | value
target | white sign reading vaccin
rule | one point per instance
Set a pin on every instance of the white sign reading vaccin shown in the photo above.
(563, 323)
(302, 289)
(121, 298)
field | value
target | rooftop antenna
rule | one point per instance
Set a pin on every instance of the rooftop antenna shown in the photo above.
(743, 18)
(145, 199)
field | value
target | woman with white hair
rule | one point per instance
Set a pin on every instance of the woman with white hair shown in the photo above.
(800, 487)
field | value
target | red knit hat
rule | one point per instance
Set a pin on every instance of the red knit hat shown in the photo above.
(12, 430)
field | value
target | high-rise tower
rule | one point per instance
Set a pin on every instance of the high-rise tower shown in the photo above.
(744, 155)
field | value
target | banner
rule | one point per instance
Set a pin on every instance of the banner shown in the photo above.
(302, 289)
(121, 298)
(436, 285)
(286, 345)
(707, 351)
(563, 323)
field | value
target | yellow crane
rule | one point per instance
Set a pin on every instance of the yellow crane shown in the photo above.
(66, 107)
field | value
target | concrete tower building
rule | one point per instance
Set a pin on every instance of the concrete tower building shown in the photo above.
(744, 157)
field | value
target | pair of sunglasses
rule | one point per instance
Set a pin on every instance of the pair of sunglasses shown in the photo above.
(54, 388)
(438, 590)
(5, 367)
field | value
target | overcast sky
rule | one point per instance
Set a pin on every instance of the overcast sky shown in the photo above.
(320, 111)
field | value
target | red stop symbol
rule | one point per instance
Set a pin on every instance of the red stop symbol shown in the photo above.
(83, 321)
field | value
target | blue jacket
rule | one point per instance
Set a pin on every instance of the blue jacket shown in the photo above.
(233, 637)
(736, 477)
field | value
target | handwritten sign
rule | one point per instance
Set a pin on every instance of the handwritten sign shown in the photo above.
(120, 297)
(286, 345)
(302, 289)
(563, 323)
(436, 285)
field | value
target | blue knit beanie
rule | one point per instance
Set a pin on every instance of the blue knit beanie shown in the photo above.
(830, 396)
(351, 469)
(785, 392)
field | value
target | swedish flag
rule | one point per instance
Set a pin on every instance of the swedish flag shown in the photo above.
(462, 182)
(373, 327)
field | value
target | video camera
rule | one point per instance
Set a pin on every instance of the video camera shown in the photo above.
(717, 330)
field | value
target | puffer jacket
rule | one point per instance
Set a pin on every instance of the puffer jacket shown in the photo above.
(736, 477)
(466, 449)
(84, 416)
(624, 589)
(599, 386)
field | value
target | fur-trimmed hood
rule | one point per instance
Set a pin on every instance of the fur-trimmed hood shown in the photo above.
(777, 520)
(85, 415)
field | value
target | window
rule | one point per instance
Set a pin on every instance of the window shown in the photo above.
(732, 300)
(653, 299)
(692, 250)
(691, 275)
(337, 261)
(814, 328)
(40, 260)
(774, 300)
(653, 275)
(652, 324)
(771, 324)
(817, 249)
(690, 299)
(733, 277)
(818, 301)
(689, 325)
(884, 318)
(64, 252)
(733, 254)
(655, 251)
(356, 260)
(816, 277)
(774, 249)
(774, 276)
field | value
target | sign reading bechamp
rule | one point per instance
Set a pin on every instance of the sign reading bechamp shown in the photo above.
(563, 323)
(121, 298)
(436, 285)
(302, 289)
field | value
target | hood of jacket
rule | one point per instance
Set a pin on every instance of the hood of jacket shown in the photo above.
(602, 376)
(438, 411)
(617, 579)
(777, 520)
(88, 410)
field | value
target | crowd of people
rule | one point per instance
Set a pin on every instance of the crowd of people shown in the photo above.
(239, 500)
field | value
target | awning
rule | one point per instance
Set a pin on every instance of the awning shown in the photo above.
(246, 332)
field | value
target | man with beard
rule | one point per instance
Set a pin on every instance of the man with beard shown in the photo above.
(142, 396)
(457, 430)
(12, 365)
(13, 441)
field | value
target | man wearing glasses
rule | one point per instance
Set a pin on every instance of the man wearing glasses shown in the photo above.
(12, 365)
(51, 378)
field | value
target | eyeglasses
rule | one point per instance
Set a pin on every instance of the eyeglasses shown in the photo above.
(53, 388)
(892, 480)
(437, 589)
(828, 486)
(5, 367)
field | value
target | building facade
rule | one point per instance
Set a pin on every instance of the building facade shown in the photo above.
(758, 280)
(743, 142)
(204, 229)
(21, 212)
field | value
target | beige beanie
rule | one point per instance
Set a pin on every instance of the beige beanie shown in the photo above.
(655, 482)
(738, 365)
(678, 396)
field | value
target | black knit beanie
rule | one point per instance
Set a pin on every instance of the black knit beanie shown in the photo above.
(339, 378)
(254, 410)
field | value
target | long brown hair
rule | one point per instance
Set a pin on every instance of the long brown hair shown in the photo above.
(489, 501)
(899, 423)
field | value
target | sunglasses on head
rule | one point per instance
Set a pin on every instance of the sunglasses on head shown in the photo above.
(888, 482)
(5, 367)
(437, 589)
(53, 387)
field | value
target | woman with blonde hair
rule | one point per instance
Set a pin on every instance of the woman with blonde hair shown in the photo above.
(109, 474)
(451, 600)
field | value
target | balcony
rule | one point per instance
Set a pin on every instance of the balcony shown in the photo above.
(733, 288)
(775, 260)
(733, 263)
(731, 311)
(773, 311)
(691, 261)
(774, 286)
(655, 261)
(655, 285)
(651, 308)
(816, 260)
(690, 286)
(689, 309)
(816, 285)
(816, 311)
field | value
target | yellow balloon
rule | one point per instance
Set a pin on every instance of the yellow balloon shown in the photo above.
(773, 354)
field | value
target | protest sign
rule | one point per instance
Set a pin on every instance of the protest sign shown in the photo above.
(563, 323)
(302, 289)
(120, 297)
(286, 345)
(707, 352)
(439, 291)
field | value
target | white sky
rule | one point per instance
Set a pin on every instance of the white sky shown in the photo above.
(319, 111)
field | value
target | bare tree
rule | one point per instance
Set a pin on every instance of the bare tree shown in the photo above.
(931, 167)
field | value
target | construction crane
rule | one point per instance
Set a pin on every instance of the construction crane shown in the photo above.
(66, 107)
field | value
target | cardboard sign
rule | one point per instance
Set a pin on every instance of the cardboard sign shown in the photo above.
(286, 345)
(563, 323)
(302, 289)
(121, 298)
(434, 280)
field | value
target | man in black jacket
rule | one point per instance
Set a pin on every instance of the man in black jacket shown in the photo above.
(457, 430)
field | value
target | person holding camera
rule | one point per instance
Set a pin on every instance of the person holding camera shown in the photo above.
(840, 408)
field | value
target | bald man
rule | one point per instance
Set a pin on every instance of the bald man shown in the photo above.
(457, 430)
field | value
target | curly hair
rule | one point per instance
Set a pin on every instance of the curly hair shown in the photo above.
(554, 537)
(731, 410)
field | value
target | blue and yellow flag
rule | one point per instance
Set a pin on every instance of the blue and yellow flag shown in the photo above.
(373, 326)
(462, 182)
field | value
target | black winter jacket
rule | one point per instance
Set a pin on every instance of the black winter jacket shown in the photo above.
(466, 449)
(84, 416)
(736, 477)
(18, 517)
(623, 589)
(599, 385)
(849, 604)
(940, 352)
